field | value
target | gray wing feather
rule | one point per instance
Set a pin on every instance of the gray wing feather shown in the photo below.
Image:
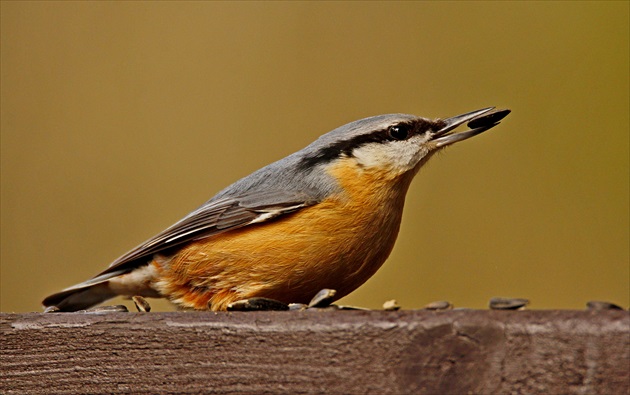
(213, 218)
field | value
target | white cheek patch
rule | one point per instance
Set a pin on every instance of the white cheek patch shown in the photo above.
(395, 156)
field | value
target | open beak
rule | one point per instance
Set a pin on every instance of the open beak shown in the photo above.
(479, 121)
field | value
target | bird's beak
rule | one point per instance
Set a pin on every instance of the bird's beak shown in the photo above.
(479, 121)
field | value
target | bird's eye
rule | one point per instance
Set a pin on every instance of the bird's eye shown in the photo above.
(398, 132)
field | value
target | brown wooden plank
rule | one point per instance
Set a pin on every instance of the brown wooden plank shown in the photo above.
(419, 352)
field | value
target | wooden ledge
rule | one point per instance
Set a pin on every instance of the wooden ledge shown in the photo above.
(409, 351)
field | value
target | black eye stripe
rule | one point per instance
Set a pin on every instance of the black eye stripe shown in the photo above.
(345, 147)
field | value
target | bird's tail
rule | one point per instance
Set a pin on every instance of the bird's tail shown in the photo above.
(84, 295)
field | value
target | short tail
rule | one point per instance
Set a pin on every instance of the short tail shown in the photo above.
(84, 295)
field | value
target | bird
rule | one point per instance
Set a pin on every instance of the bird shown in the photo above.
(326, 216)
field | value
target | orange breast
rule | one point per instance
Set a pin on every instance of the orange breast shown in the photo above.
(338, 243)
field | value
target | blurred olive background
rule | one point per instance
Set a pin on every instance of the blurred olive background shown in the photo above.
(119, 118)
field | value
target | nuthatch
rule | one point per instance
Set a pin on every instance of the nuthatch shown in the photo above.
(326, 216)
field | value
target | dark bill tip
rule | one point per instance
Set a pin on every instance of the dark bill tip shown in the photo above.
(488, 118)
(479, 121)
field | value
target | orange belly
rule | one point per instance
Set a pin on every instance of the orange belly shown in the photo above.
(338, 243)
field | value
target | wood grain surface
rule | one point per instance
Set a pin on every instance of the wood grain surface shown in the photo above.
(308, 352)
